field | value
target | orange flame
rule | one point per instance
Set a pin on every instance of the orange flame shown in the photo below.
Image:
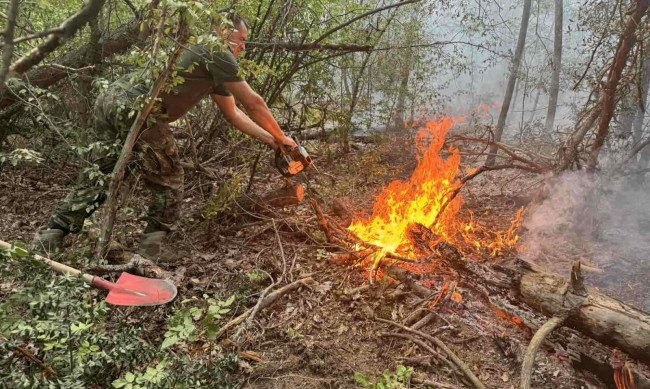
(425, 199)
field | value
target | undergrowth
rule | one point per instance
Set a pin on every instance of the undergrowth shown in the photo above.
(55, 331)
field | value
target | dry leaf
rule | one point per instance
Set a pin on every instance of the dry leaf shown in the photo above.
(323, 288)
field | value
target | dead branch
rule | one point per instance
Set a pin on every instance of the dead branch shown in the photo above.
(535, 343)
(511, 151)
(432, 384)
(29, 355)
(133, 135)
(424, 321)
(210, 173)
(266, 302)
(282, 197)
(422, 345)
(440, 344)
(467, 178)
(290, 46)
(568, 152)
(256, 308)
(68, 30)
(140, 266)
(48, 75)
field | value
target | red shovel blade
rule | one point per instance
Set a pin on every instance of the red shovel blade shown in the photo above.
(138, 291)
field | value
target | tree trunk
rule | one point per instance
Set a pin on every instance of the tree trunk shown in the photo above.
(356, 89)
(68, 29)
(602, 318)
(556, 65)
(608, 97)
(8, 49)
(637, 124)
(514, 69)
(397, 121)
(534, 108)
(46, 75)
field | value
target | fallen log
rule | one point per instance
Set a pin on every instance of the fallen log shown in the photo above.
(605, 322)
(588, 311)
(283, 197)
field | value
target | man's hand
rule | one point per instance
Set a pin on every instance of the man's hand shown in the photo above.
(284, 143)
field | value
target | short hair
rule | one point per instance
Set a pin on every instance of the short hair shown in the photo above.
(234, 18)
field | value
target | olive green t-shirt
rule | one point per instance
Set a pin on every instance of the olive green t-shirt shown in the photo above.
(204, 70)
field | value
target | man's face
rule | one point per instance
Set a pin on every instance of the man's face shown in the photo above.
(237, 39)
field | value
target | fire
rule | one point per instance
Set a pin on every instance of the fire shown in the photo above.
(428, 198)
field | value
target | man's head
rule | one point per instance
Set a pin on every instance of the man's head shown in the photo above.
(236, 34)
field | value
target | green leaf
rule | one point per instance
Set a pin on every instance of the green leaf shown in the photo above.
(129, 377)
(362, 380)
(229, 302)
(119, 383)
(168, 342)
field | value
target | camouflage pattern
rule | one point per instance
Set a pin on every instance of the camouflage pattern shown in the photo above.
(156, 157)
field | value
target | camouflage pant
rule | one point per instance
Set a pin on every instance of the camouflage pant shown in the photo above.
(156, 157)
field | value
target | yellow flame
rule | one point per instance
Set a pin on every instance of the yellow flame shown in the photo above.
(425, 199)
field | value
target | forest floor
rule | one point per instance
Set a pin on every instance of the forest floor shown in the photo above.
(322, 335)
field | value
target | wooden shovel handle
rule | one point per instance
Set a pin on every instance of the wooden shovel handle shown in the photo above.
(56, 266)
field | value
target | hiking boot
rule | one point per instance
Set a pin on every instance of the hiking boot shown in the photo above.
(48, 241)
(152, 248)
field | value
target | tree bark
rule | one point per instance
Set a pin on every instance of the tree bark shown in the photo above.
(637, 124)
(556, 65)
(514, 70)
(608, 97)
(598, 316)
(46, 76)
(68, 29)
(588, 311)
(8, 49)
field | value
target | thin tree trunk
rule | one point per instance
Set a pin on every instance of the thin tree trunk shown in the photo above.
(132, 137)
(608, 97)
(356, 87)
(534, 109)
(514, 99)
(514, 69)
(556, 65)
(397, 121)
(8, 49)
(637, 124)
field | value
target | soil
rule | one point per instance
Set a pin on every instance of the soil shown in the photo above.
(316, 337)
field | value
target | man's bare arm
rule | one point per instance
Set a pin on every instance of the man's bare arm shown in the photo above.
(256, 107)
(241, 121)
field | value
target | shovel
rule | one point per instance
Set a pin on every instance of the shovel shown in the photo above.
(128, 290)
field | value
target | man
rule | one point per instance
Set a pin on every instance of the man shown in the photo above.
(206, 71)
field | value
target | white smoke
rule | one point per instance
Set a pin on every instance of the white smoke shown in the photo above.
(603, 223)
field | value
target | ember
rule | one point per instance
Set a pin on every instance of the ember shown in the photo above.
(428, 199)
